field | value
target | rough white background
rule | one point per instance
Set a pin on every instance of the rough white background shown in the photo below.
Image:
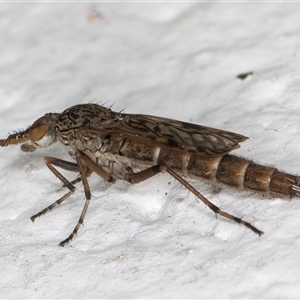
(152, 240)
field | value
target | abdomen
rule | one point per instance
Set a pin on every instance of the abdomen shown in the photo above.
(227, 169)
(244, 174)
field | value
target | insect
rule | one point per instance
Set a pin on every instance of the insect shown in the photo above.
(134, 148)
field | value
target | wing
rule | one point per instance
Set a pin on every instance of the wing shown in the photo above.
(169, 133)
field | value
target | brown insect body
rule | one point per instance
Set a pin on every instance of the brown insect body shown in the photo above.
(136, 147)
(206, 160)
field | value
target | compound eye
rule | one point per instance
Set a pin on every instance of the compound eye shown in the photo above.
(38, 129)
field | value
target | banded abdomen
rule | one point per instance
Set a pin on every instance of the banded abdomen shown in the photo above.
(226, 169)
(244, 174)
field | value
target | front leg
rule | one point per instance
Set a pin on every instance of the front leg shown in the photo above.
(66, 165)
(85, 166)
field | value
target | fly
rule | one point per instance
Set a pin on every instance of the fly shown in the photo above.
(134, 148)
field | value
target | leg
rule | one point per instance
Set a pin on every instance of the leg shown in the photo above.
(213, 207)
(66, 165)
(145, 174)
(84, 163)
(85, 166)
(76, 180)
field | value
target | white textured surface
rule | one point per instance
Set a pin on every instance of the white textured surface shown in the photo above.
(176, 60)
